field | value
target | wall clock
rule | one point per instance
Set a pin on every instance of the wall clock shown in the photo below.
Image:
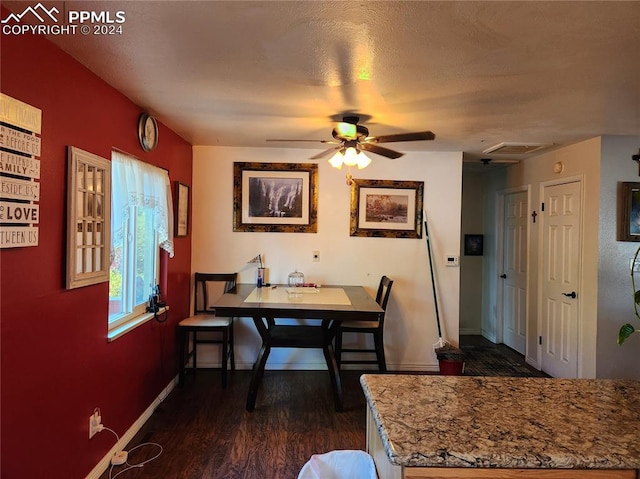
(147, 132)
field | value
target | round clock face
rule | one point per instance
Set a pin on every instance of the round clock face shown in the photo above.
(147, 132)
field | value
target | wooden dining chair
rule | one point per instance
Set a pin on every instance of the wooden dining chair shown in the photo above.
(366, 327)
(204, 320)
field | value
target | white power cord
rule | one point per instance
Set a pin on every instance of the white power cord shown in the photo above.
(121, 458)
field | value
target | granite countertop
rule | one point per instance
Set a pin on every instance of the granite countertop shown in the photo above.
(460, 421)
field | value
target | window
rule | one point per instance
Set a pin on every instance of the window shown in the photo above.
(142, 223)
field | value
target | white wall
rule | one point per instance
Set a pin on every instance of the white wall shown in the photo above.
(471, 278)
(615, 303)
(410, 328)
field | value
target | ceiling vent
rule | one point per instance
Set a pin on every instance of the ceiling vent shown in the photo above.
(515, 148)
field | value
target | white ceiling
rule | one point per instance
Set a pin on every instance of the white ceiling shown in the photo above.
(475, 73)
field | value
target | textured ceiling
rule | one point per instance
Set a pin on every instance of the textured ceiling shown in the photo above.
(474, 73)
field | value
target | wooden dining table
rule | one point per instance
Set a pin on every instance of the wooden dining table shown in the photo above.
(267, 306)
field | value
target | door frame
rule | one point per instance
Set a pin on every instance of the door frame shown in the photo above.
(580, 346)
(500, 201)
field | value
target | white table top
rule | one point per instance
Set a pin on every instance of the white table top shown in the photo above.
(323, 296)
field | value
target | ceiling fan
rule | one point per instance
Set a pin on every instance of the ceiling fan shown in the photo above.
(349, 134)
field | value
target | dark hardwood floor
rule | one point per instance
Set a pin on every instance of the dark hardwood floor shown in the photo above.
(510, 355)
(206, 433)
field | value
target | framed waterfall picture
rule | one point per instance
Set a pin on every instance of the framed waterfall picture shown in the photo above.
(275, 197)
(386, 208)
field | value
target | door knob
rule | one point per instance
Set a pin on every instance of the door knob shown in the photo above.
(503, 276)
(571, 295)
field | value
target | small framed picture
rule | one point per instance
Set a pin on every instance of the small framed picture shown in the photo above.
(473, 245)
(182, 210)
(629, 212)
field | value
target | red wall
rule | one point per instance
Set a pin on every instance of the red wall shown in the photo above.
(56, 363)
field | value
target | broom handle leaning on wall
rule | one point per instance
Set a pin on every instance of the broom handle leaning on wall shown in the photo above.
(433, 280)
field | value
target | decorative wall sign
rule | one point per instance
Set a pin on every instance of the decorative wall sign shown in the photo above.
(386, 208)
(19, 114)
(15, 237)
(18, 171)
(18, 141)
(20, 165)
(275, 197)
(19, 213)
(629, 212)
(19, 189)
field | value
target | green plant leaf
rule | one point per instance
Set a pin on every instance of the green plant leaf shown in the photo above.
(624, 333)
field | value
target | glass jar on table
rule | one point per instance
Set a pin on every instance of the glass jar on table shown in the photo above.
(296, 278)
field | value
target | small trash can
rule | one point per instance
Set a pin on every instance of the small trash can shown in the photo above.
(450, 360)
(341, 464)
(451, 367)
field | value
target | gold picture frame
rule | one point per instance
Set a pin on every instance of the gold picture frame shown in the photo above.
(386, 208)
(629, 212)
(275, 197)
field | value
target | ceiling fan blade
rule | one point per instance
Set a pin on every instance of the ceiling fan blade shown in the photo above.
(325, 153)
(312, 141)
(417, 136)
(378, 150)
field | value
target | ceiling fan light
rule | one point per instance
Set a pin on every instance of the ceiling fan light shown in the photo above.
(346, 130)
(363, 160)
(351, 156)
(336, 160)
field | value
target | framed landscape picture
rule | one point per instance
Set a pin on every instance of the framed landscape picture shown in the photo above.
(275, 197)
(629, 212)
(386, 208)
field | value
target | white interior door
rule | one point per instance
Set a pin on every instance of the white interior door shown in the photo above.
(514, 270)
(560, 279)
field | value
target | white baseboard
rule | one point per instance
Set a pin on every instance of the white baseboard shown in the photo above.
(105, 462)
(533, 363)
(490, 337)
(470, 332)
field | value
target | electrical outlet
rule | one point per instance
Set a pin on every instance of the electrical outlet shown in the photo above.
(95, 421)
(316, 257)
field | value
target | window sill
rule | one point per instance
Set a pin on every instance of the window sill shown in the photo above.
(133, 323)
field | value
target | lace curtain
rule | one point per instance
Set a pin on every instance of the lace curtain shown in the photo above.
(135, 183)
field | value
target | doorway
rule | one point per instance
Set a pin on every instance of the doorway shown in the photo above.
(560, 277)
(512, 286)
